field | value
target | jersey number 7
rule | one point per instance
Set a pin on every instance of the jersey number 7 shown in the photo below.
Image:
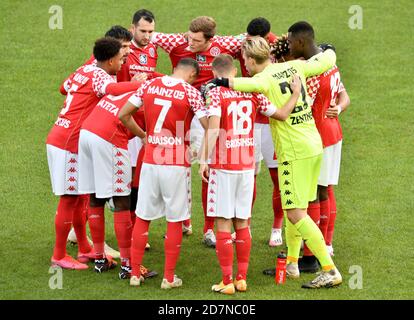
(166, 105)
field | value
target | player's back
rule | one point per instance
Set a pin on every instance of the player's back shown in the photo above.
(168, 111)
(237, 111)
(86, 87)
(323, 91)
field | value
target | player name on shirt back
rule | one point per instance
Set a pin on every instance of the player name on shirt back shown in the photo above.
(165, 92)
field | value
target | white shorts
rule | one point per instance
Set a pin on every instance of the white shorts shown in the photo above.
(64, 170)
(165, 191)
(230, 194)
(265, 147)
(330, 165)
(134, 146)
(104, 169)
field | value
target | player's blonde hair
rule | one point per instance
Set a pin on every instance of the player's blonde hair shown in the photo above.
(256, 48)
(204, 24)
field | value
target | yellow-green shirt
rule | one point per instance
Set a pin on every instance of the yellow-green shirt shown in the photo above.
(296, 137)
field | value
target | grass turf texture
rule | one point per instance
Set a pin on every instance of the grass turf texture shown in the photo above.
(375, 196)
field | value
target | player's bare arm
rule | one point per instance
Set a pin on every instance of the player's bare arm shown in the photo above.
(342, 104)
(125, 115)
(209, 141)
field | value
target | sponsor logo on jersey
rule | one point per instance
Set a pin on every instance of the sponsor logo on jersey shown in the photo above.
(301, 119)
(214, 51)
(201, 58)
(143, 58)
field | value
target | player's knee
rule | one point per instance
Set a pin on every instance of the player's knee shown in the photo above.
(133, 199)
(122, 203)
(323, 193)
(95, 202)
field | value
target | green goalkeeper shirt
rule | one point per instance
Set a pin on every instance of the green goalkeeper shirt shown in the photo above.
(296, 137)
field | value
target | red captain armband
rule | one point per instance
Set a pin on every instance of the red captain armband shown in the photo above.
(119, 88)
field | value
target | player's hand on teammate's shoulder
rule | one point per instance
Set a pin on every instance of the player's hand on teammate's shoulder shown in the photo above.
(140, 77)
(296, 84)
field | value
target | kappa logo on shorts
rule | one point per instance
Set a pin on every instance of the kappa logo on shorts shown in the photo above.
(120, 172)
(287, 192)
(72, 169)
(286, 173)
(72, 179)
(119, 163)
(71, 188)
(119, 180)
(289, 202)
(286, 183)
(285, 163)
(119, 190)
(72, 160)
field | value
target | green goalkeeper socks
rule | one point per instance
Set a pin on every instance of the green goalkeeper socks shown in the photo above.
(315, 242)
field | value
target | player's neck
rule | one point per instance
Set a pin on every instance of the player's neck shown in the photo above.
(310, 51)
(103, 66)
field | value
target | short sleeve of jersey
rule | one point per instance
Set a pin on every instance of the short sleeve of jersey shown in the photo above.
(100, 81)
(196, 101)
(168, 41)
(265, 106)
(231, 43)
(137, 98)
(213, 102)
(312, 86)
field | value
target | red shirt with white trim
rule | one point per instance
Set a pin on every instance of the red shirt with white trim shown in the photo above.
(86, 87)
(104, 122)
(139, 60)
(169, 106)
(323, 90)
(176, 45)
(234, 149)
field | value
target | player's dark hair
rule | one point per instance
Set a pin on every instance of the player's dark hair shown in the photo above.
(302, 28)
(258, 27)
(120, 33)
(106, 48)
(144, 14)
(223, 63)
(189, 62)
(326, 46)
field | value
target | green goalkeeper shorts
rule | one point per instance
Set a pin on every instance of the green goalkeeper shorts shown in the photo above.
(298, 180)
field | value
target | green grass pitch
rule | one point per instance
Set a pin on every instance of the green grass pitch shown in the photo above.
(374, 227)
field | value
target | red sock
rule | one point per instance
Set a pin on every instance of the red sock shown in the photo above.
(139, 240)
(325, 213)
(187, 222)
(96, 219)
(332, 216)
(172, 246)
(133, 217)
(254, 192)
(79, 223)
(276, 200)
(224, 250)
(314, 211)
(123, 232)
(208, 221)
(63, 223)
(243, 246)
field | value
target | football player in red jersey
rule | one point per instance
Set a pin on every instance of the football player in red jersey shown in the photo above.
(85, 88)
(142, 62)
(231, 168)
(169, 103)
(201, 44)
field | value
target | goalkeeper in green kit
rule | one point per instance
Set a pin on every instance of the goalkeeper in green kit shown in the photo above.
(297, 141)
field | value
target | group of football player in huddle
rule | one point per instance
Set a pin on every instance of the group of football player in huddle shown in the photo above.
(127, 135)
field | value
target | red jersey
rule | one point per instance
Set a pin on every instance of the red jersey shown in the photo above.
(176, 45)
(323, 90)
(139, 60)
(234, 149)
(169, 106)
(86, 87)
(260, 118)
(104, 122)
